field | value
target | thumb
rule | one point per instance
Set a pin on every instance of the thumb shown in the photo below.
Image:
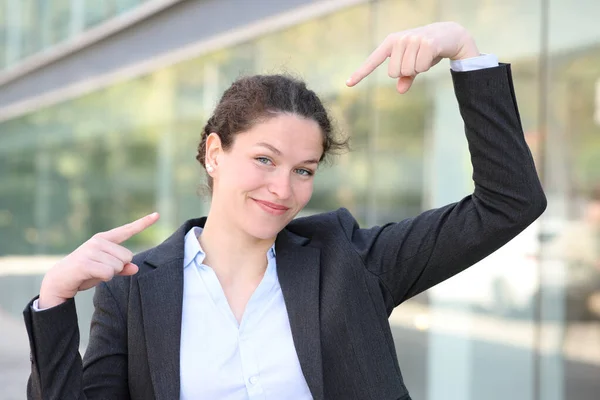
(404, 83)
(129, 269)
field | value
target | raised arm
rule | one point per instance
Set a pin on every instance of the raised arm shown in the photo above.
(418, 253)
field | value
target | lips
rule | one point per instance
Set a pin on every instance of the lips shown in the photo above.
(272, 208)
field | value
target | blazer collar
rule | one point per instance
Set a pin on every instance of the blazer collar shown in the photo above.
(298, 270)
(173, 247)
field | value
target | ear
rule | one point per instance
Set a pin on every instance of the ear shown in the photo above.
(213, 150)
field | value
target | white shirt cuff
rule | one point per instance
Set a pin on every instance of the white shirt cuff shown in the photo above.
(474, 63)
(35, 306)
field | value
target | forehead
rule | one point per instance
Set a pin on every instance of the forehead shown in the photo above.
(289, 133)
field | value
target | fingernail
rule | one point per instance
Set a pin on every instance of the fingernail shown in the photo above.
(348, 81)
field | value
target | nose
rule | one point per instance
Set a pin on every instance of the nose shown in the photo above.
(281, 185)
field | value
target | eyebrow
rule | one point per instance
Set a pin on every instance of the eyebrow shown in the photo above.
(279, 153)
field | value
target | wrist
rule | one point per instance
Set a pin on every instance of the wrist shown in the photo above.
(48, 298)
(48, 301)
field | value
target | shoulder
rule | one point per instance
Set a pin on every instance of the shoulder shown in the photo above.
(170, 249)
(119, 285)
(327, 225)
(140, 258)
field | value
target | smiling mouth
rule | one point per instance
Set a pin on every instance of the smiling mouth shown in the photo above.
(272, 208)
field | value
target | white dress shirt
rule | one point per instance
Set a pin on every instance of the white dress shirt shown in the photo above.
(221, 360)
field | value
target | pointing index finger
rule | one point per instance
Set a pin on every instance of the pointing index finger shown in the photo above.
(122, 233)
(375, 59)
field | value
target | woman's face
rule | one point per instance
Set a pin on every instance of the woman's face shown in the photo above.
(266, 177)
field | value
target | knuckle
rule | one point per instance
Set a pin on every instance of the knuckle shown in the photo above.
(86, 268)
(105, 274)
(121, 267)
(95, 242)
(407, 71)
(97, 236)
(406, 39)
(422, 68)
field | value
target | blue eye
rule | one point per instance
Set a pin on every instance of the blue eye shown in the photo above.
(263, 160)
(304, 172)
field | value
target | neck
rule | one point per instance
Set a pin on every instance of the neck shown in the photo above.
(230, 252)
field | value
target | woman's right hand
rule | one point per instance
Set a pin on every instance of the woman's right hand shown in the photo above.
(97, 260)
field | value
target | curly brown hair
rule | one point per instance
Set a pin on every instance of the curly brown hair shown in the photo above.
(254, 99)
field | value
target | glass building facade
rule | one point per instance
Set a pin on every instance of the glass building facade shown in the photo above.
(522, 324)
(30, 27)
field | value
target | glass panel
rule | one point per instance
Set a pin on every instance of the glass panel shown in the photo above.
(3, 32)
(126, 5)
(571, 234)
(58, 21)
(14, 32)
(42, 24)
(97, 11)
(30, 26)
(17, 188)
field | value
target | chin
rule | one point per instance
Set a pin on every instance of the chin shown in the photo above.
(265, 231)
(262, 225)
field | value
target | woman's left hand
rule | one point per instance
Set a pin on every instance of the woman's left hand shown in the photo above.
(416, 50)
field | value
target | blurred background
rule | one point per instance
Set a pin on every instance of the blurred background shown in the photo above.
(102, 103)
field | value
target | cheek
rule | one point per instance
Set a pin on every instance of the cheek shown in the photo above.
(244, 176)
(303, 192)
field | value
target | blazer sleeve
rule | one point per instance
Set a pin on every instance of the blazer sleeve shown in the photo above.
(413, 255)
(57, 371)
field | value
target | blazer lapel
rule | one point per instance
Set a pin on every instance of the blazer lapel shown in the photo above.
(161, 292)
(298, 270)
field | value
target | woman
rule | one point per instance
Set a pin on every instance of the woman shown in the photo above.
(248, 303)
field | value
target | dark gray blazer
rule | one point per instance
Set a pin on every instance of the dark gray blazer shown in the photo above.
(340, 282)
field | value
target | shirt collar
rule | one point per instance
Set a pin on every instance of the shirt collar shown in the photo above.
(193, 250)
(192, 247)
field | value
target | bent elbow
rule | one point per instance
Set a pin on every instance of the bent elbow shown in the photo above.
(536, 205)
